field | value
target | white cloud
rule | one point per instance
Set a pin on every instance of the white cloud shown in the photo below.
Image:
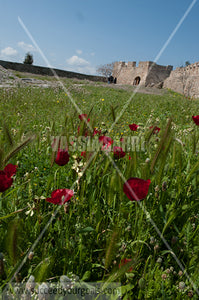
(8, 51)
(77, 61)
(80, 65)
(79, 51)
(26, 47)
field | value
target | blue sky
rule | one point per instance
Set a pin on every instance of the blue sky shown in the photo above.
(80, 35)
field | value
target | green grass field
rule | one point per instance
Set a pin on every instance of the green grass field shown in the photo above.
(100, 229)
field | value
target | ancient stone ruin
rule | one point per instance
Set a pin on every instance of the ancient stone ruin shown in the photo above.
(146, 73)
(184, 80)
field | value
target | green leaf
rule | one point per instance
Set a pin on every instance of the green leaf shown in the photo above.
(86, 229)
(86, 276)
(113, 113)
(13, 213)
(169, 221)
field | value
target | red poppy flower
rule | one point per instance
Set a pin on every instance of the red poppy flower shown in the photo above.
(133, 127)
(60, 196)
(106, 147)
(83, 117)
(125, 261)
(155, 129)
(5, 177)
(118, 152)
(196, 120)
(136, 188)
(62, 157)
(5, 181)
(96, 132)
(105, 140)
(83, 153)
(10, 170)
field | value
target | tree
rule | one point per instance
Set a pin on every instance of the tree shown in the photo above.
(105, 70)
(187, 63)
(28, 59)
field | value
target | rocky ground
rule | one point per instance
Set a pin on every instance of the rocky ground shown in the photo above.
(10, 79)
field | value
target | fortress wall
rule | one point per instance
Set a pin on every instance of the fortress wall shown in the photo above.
(127, 72)
(47, 71)
(184, 80)
(157, 73)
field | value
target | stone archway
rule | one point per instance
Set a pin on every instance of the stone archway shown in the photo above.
(137, 80)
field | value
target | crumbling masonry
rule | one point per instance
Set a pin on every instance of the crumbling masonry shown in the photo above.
(182, 80)
(146, 73)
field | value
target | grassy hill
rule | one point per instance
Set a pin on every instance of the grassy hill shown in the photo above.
(100, 234)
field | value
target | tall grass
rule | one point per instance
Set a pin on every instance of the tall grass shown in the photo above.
(100, 227)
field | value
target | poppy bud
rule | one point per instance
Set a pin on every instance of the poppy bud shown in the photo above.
(30, 255)
(66, 207)
(159, 260)
(164, 276)
(181, 285)
(190, 294)
(142, 283)
(174, 239)
(164, 186)
(152, 240)
(156, 247)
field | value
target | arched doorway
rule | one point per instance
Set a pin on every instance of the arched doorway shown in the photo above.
(136, 80)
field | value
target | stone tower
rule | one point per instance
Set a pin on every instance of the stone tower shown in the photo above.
(146, 73)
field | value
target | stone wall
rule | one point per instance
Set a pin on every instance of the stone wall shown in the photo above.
(184, 80)
(127, 72)
(47, 71)
(157, 74)
(149, 73)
